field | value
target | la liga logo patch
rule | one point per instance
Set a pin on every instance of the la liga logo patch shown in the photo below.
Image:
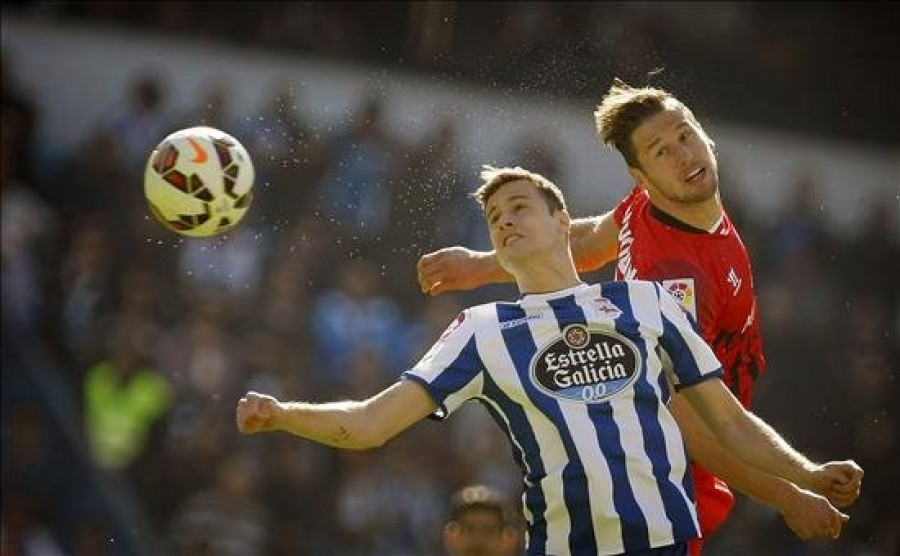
(683, 290)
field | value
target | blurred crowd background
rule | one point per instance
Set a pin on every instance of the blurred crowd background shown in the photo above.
(125, 348)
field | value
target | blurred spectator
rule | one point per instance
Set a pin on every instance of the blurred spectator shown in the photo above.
(356, 191)
(141, 122)
(200, 356)
(388, 505)
(24, 529)
(355, 315)
(300, 259)
(430, 198)
(211, 110)
(299, 471)
(92, 537)
(289, 153)
(483, 452)
(228, 268)
(198, 437)
(286, 299)
(87, 285)
(275, 363)
(877, 245)
(20, 120)
(430, 31)
(29, 227)
(427, 325)
(30, 469)
(538, 152)
(98, 180)
(800, 228)
(479, 523)
(796, 249)
(226, 519)
(124, 396)
(135, 313)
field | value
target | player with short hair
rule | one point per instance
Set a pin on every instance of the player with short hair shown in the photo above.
(578, 377)
(671, 228)
(478, 523)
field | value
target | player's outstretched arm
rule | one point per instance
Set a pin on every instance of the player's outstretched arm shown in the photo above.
(458, 268)
(354, 425)
(808, 514)
(755, 442)
(594, 241)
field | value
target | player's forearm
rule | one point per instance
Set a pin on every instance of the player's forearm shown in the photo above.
(767, 489)
(759, 485)
(337, 424)
(704, 448)
(746, 435)
(490, 270)
(594, 242)
(354, 425)
(761, 447)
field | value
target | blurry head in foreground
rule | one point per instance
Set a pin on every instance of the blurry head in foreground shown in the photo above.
(477, 524)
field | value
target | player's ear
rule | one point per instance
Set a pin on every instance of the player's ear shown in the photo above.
(638, 177)
(563, 219)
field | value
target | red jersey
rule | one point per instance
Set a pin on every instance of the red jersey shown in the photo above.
(708, 272)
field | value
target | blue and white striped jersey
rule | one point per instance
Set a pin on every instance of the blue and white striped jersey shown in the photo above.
(576, 381)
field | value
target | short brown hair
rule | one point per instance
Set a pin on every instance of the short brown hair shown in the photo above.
(492, 178)
(478, 497)
(624, 108)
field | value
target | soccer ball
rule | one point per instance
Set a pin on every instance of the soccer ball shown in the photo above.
(198, 181)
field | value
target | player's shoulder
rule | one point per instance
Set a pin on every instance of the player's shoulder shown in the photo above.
(484, 311)
(634, 202)
(636, 195)
(628, 292)
(634, 285)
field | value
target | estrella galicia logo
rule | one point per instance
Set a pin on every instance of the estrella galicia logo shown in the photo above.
(585, 365)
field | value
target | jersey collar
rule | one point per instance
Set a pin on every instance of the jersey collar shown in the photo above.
(530, 298)
(670, 220)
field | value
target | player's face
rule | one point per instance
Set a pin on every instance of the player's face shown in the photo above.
(476, 533)
(520, 222)
(676, 158)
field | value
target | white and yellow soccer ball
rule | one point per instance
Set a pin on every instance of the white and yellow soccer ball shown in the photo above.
(199, 181)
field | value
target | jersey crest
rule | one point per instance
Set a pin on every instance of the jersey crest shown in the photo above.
(607, 307)
(453, 326)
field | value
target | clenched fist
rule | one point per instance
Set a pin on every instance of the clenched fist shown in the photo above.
(257, 413)
(812, 516)
(839, 481)
(452, 268)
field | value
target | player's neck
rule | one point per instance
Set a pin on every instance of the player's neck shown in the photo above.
(546, 274)
(703, 216)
